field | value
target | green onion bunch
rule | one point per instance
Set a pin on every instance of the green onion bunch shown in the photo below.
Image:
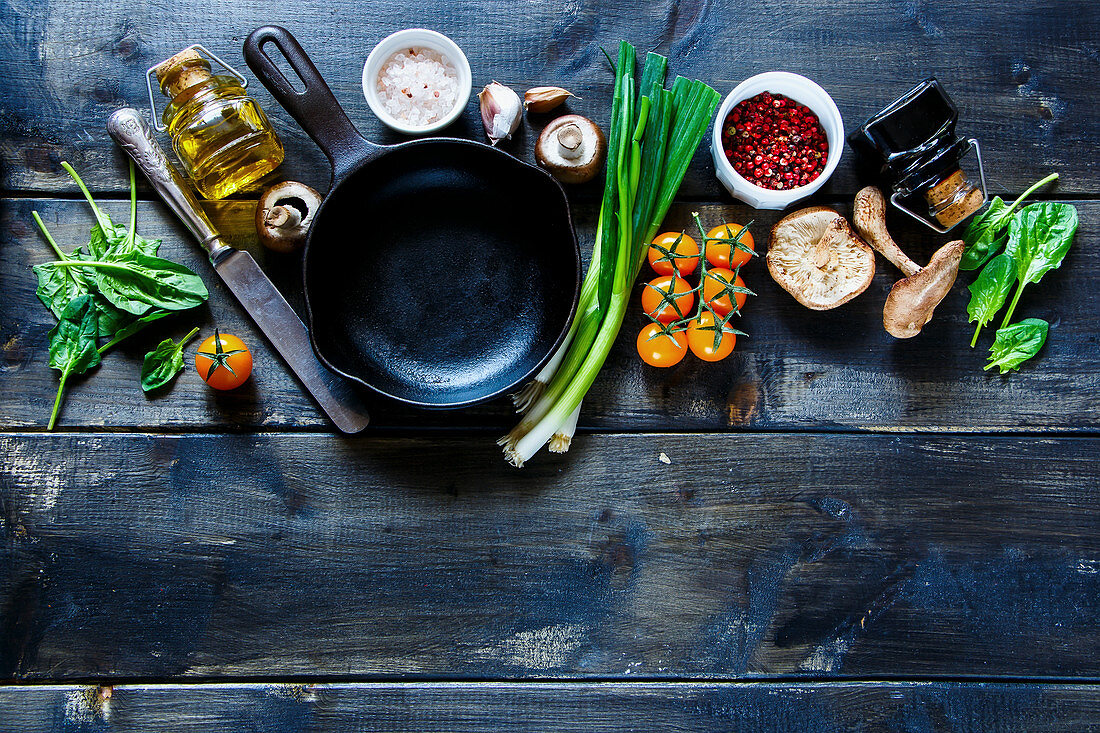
(654, 133)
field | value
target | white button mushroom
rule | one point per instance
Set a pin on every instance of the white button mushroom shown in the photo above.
(571, 148)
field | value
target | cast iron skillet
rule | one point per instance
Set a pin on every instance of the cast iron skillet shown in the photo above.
(438, 272)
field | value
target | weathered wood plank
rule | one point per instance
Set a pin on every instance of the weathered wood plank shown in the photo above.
(1024, 75)
(798, 370)
(757, 707)
(747, 556)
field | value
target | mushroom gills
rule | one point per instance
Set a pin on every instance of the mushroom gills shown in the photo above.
(815, 256)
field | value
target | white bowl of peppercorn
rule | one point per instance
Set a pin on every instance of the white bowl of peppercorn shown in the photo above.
(777, 138)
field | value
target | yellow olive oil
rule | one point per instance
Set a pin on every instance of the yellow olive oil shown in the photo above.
(219, 133)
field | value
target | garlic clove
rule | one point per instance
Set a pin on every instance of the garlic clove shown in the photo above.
(500, 111)
(544, 99)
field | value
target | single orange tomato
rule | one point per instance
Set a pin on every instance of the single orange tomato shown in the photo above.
(667, 309)
(720, 250)
(223, 361)
(661, 349)
(673, 253)
(714, 290)
(700, 338)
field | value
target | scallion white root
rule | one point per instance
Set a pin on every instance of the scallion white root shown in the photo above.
(529, 395)
(559, 441)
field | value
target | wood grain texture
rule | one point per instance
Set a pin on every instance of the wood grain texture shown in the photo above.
(1023, 74)
(747, 556)
(799, 369)
(506, 707)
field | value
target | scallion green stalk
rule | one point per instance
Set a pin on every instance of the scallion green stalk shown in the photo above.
(652, 140)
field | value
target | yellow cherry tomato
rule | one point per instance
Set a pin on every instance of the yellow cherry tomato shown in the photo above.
(700, 338)
(673, 253)
(661, 308)
(661, 349)
(714, 290)
(223, 361)
(720, 250)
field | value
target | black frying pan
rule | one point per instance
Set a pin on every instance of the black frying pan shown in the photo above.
(439, 272)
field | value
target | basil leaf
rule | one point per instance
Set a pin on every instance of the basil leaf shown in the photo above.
(989, 291)
(1017, 343)
(1039, 237)
(163, 363)
(983, 235)
(142, 282)
(73, 344)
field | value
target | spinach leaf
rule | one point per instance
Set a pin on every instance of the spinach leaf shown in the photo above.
(1017, 343)
(989, 291)
(72, 344)
(143, 281)
(133, 327)
(58, 286)
(163, 363)
(1038, 240)
(986, 233)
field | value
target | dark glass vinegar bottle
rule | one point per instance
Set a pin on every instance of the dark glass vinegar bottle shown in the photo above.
(917, 153)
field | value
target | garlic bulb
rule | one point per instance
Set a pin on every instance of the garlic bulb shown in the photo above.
(501, 110)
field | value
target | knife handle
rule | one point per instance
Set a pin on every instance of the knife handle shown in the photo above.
(132, 132)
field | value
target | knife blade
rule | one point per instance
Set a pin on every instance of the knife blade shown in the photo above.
(266, 306)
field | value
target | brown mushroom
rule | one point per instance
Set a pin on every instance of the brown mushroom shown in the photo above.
(284, 214)
(815, 257)
(572, 148)
(913, 300)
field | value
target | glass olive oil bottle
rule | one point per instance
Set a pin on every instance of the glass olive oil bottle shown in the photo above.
(221, 136)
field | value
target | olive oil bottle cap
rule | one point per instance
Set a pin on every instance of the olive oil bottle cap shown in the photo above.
(183, 71)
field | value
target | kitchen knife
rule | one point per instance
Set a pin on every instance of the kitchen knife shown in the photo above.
(264, 303)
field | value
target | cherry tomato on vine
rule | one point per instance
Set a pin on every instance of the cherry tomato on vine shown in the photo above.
(724, 254)
(673, 253)
(661, 349)
(700, 337)
(661, 308)
(714, 293)
(223, 361)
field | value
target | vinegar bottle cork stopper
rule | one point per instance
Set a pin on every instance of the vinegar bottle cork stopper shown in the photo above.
(182, 71)
(953, 199)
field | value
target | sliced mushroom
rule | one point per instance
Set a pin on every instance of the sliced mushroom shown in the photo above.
(815, 257)
(571, 148)
(912, 300)
(284, 214)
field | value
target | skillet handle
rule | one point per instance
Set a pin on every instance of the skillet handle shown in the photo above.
(315, 108)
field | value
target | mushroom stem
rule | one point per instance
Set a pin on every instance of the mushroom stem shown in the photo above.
(283, 217)
(570, 141)
(870, 221)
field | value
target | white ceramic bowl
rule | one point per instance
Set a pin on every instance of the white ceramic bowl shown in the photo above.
(408, 38)
(801, 90)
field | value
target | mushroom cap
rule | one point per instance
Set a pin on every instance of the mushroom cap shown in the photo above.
(284, 214)
(815, 256)
(911, 301)
(586, 165)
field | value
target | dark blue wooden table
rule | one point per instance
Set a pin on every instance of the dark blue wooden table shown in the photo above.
(850, 532)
